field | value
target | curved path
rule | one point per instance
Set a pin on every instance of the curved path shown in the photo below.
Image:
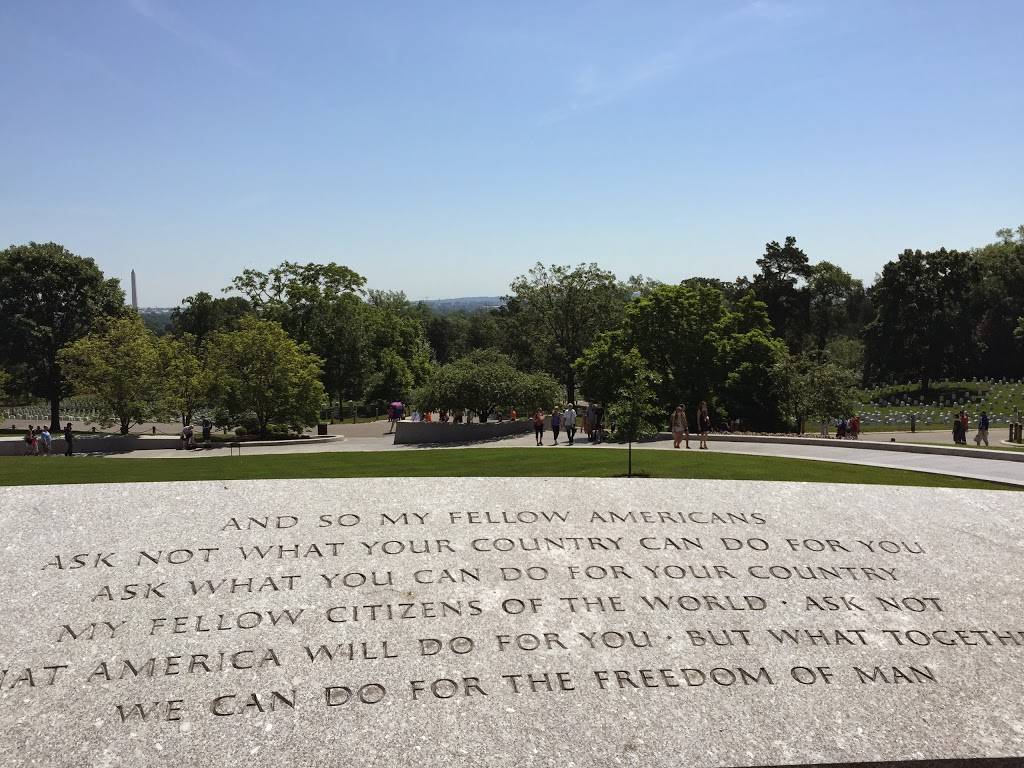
(980, 468)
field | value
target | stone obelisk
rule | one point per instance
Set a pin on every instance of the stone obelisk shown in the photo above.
(135, 294)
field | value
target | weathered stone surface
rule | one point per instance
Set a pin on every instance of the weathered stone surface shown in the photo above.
(604, 651)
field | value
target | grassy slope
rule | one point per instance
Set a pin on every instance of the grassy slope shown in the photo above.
(464, 462)
(999, 400)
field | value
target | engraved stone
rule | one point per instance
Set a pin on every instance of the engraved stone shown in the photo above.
(509, 622)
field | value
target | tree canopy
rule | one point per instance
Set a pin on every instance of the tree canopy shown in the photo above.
(49, 297)
(260, 369)
(485, 380)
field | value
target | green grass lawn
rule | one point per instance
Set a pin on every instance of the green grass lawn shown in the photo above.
(463, 462)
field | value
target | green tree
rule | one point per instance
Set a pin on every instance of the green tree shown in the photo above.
(634, 411)
(391, 379)
(186, 382)
(485, 380)
(5, 383)
(784, 270)
(997, 303)
(923, 319)
(834, 295)
(605, 365)
(340, 333)
(848, 354)
(814, 391)
(700, 345)
(751, 388)
(261, 370)
(49, 297)
(119, 364)
(554, 313)
(677, 330)
(202, 314)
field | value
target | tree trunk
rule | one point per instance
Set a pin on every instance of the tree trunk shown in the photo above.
(55, 408)
(125, 424)
(54, 395)
(570, 386)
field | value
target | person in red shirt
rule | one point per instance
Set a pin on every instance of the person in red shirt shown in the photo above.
(538, 426)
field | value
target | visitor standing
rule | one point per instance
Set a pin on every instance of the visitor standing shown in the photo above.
(69, 438)
(44, 441)
(538, 426)
(680, 427)
(30, 441)
(588, 421)
(569, 422)
(855, 427)
(958, 430)
(703, 423)
(556, 424)
(207, 429)
(965, 425)
(982, 433)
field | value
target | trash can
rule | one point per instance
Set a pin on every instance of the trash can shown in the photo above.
(321, 429)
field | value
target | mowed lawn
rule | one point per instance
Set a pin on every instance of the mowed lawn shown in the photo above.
(464, 462)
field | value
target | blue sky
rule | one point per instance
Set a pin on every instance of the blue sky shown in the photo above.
(442, 148)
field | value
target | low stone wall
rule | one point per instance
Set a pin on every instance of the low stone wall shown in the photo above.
(429, 432)
(125, 443)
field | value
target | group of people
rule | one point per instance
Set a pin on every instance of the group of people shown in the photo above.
(567, 420)
(847, 427)
(961, 424)
(680, 425)
(443, 416)
(39, 441)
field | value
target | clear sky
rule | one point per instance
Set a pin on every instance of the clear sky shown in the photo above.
(442, 148)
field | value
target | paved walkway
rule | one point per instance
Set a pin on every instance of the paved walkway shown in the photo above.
(979, 468)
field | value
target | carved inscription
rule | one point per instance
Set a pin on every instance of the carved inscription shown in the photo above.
(277, 615)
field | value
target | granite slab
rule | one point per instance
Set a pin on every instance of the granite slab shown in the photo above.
(509, 622)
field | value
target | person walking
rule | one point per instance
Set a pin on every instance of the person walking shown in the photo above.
(69, 439)
(44, 441)
(958, 430)
(703, 423)
(569, 422)
(207, 429)
(538, 426)
(982, 433)
(556, 424)
(680, 427)
(597, 428)
(965, 424)
(588, 421)
(30, 441)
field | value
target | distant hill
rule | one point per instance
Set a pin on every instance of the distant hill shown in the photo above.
(466, 303)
